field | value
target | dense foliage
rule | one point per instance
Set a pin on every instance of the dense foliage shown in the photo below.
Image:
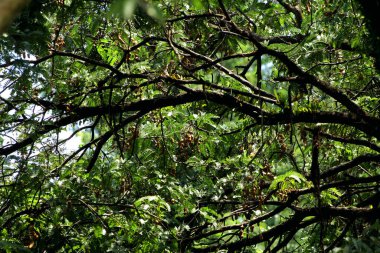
(189, 126)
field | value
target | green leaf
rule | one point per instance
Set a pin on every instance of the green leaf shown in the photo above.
(290, 178)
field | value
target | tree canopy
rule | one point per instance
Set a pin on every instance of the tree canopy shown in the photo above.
(190, 126)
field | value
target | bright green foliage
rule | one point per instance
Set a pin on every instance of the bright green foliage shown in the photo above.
(189, 126)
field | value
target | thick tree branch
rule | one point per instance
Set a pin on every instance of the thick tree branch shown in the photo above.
(351, 164)
(223, 99)
(359, 142)
(293, 9)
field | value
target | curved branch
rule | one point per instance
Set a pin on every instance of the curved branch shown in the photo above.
(108, 135)
(293, 9)
(348, 165)
(192, 96)
(359, 142)
(302, 75)
(285, 227)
